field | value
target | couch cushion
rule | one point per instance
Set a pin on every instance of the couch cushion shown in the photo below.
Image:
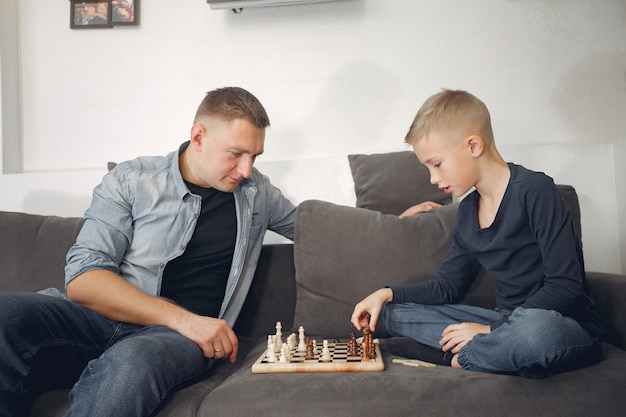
(342, 254)
(392, 182)
(409, 391)
(33, 249)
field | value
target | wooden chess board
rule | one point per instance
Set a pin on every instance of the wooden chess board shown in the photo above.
(340, 361)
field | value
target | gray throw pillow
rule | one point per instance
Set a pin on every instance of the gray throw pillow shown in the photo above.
(342, 254)
(392, 182)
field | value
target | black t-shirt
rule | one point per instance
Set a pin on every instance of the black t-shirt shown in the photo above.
(197, 279)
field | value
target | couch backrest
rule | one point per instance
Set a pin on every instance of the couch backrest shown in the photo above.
(33, 249)
(344, 253)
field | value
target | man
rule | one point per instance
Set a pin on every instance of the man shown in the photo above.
(158, 274)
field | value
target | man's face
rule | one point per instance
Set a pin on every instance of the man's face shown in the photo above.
(224, 152)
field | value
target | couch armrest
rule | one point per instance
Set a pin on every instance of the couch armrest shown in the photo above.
(609, 292)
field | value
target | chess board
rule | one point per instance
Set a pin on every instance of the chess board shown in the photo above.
(340, 361)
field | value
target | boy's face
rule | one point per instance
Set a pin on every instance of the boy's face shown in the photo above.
(225, 153)
(448, 157)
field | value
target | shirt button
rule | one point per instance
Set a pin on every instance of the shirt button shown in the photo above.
(196, 216)
(161, 264)
(181, 247)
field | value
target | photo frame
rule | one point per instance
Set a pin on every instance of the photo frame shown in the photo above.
(103, 14)
(124, 12)
(90, 14)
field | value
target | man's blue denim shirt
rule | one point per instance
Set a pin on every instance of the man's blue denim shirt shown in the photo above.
(142, 216)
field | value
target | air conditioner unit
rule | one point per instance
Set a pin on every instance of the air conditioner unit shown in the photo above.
(241, 4)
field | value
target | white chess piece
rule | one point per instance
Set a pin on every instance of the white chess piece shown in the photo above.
(326, 352)
(271, 353)
(301, 343)
(283, 355)
(291, 341)
(287, 352)
(279, 334)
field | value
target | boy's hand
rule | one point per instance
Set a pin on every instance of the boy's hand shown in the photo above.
(455, 336)
(366, 312)
(424, 207)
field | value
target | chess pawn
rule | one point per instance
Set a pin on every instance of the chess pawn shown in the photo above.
(310, 350)
(326, 352)
(271, 353)
(283, 356)
(291, 341)
(365, 354)
(372, 348)
(270, 339)
(287, 352)
(352, 348)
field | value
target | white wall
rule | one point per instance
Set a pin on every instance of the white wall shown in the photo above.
(336, 78)
(620, 186)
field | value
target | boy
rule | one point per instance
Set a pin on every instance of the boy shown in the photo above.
(516, 225)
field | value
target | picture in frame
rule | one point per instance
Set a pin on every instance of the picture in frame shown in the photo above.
(90, 14)
(124, 12)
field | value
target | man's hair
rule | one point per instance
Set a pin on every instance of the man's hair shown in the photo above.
(230, 103)
(451, 110)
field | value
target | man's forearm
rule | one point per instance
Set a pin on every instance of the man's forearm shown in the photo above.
(110, 295)
(116, 299)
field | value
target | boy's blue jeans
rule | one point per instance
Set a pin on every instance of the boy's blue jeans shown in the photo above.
(531, 343)
(122, 369)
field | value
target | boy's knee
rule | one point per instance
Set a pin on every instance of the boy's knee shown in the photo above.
(536, 320)
(389, 316)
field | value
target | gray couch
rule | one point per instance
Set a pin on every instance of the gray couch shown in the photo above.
(339, 255)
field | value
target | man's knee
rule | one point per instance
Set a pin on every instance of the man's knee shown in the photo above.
(158, 351)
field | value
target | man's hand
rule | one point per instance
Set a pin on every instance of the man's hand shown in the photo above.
(455, 336)
(214, 336)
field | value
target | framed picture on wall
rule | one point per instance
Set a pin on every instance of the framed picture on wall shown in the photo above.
(90, 14)
(124, 12)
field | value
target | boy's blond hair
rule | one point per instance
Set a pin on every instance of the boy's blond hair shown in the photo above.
(451, 110)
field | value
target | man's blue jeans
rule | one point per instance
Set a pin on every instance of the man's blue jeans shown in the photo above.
(121, 369)
(531, 342)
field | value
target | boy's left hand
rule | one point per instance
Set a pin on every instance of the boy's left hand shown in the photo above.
(424, 207)
(455, 336)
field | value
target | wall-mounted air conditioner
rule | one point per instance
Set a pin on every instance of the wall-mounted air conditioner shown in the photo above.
(242, 4)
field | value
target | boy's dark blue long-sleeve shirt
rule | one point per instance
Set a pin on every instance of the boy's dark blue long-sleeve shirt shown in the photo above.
(531, 250)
